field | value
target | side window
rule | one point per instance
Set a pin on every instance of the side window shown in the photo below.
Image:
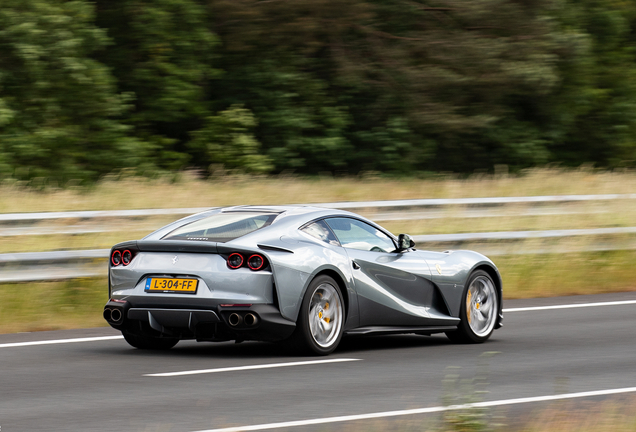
(355, 234)
(320, 231)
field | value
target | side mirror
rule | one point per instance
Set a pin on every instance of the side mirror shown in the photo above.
(404, 242)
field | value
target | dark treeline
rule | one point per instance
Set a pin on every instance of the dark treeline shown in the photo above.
(264, 86)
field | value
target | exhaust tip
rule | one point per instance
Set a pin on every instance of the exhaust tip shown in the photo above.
(115, 315)
(250, 319)
(235, 319)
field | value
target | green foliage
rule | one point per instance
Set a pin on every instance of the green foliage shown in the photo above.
(162, 52)
(300, 125)
(416, 87)
(460, 395)
(314, 85)
(226, 140)
(594, 110)
(59, 109)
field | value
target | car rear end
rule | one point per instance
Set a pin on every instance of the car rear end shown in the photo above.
(185, 285)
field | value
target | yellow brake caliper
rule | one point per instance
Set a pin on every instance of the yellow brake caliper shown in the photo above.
(468, 299)
(327, 319)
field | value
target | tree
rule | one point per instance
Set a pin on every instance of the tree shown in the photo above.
(59, 109)
(227, 141)
(593, 112)
(163, 54)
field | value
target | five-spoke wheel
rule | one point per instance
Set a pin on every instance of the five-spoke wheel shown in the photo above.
(479, 310)
(321, 318)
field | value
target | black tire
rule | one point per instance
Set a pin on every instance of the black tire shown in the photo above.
(149, 342)
(481, 330)
(322, 294)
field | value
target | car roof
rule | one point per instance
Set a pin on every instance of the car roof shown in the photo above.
(295, 208)
(288, 217)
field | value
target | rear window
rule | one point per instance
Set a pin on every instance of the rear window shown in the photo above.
(222, 227)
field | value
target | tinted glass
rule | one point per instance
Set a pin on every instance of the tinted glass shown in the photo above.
(222, 227)
(320, 231)
(355, 234)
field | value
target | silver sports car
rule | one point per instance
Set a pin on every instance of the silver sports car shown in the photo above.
(297, 273)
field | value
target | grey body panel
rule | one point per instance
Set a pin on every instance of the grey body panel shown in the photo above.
(451, 270)
(396, 289)
(389, 290)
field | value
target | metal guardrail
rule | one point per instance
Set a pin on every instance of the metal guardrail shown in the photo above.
(433, 202)
(475, 201)
(19, 217)
(59, 265)
(521, 235)
(49, 266)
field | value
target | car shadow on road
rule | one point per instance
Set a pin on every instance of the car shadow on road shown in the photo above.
(352, 344)
(251, 349)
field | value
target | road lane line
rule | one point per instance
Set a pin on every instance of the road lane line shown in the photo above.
(523, 309)
(251, 367)
(422, 410)
(60, 341)
(571, 306)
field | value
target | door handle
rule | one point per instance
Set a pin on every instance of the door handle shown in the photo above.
(355, 265)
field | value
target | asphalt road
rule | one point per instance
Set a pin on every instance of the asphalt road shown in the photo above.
(102, 385)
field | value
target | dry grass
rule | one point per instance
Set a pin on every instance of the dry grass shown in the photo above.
(618, 214)
(66, 242)
(612, 415)
(128, 192)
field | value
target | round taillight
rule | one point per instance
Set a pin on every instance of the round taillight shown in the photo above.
(235, 260)
(255, 262)
(116, 258)
(126, 257)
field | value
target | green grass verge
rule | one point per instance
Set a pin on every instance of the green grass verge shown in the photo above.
(79, 303)
(41, 306)
(615, 415)
(550, 275)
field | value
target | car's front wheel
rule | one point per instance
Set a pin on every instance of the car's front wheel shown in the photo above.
(321, 318)
(478, 314)
(149, 342)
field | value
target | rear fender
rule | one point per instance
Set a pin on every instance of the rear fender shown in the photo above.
(293, 272)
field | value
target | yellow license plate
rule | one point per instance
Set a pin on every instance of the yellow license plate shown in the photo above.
(172, 285)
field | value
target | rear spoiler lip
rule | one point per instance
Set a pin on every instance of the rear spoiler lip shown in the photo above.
(171, 246)
(194, 246)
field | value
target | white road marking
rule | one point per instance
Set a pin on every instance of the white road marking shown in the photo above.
(59, 341)
(422, 410)
(571, 306)
(251, 367)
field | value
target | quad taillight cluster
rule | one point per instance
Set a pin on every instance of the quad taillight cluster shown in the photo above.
(253, 262)
(121, 257)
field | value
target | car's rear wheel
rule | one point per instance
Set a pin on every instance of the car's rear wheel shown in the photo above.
(478, 314)
(149, 342)
(321, 318)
